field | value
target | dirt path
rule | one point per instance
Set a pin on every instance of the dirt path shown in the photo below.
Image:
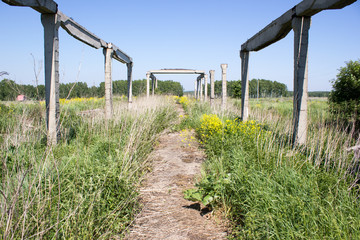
(166, 214)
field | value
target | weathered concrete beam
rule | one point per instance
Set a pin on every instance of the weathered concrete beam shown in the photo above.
(177, 71)
(281, 26)
(201, 87)
(195, 89)
(108, 82)
(309, 8)
(244, 85)
(3, 73)
(42, 6)
(51, 24)
(129, 73)
(206, 87)
(121, 56)
(147, 84)
(153, 79)
(81, 33)
(301, 27)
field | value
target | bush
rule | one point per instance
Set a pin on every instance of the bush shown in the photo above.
(344, 99)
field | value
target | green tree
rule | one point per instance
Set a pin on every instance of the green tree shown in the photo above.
(8, 90)
(344, 99)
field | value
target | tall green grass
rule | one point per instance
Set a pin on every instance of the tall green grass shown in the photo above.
(270, 190)
(86, 186)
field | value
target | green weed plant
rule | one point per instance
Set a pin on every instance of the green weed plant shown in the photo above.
(86, 187)
(267, 188)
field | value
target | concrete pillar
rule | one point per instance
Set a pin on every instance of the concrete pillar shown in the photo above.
(148, 85)
(212, 87)
(129, 68)
(108, 82)
(51, 24)
(206, 87)
(223, 90)
(198, 81)
(195, 89)
(153, 85)
(201, 88)
(156, 83)
(301, 26)
(244, 85)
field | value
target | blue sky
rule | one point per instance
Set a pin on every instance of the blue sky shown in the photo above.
(197, 34)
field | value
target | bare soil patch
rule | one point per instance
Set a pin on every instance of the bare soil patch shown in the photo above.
(166, 214)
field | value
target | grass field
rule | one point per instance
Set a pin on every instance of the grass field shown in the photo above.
(86, 186)
(267, 188)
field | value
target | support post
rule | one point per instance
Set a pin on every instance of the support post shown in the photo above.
(195, 89)
(244, 55)
(51, 24)
(129, 73)
(212, 90)
(223, 90)
(156, 83)
(205, 87)
(147, 85)
(108, 82)
(201, 88)
(301, 26)
(153, 79)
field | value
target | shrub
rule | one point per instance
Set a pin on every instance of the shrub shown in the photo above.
(344, 99)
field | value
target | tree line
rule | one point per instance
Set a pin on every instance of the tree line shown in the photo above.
(257, 88)
(261, 88)
(9, 90)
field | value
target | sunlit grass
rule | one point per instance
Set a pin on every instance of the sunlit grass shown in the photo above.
(86, 186)
(268, 188)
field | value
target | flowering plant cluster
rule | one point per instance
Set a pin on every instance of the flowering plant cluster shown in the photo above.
(212, 129)
(184, 101)
(77, 100)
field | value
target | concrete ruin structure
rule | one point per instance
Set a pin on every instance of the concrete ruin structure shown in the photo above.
(297, 19)
(198, 88)
(224, 86)
(52, 19)
(212, 87)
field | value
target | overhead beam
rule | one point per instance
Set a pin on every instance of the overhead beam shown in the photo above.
(81, 33)
(176, 71)
(120, 55)
(42, 6)
(281, 26)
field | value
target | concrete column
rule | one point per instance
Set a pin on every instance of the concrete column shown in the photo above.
(223, 78)
(156, 83)
(206, 87)
(153, 85)
(195, 89)
(148, 85)
(301, 26)
(201, 88)
(51, 24)
(244, 85)
(108, 82)
(129, 68)
(198, 81)
(212, 87)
